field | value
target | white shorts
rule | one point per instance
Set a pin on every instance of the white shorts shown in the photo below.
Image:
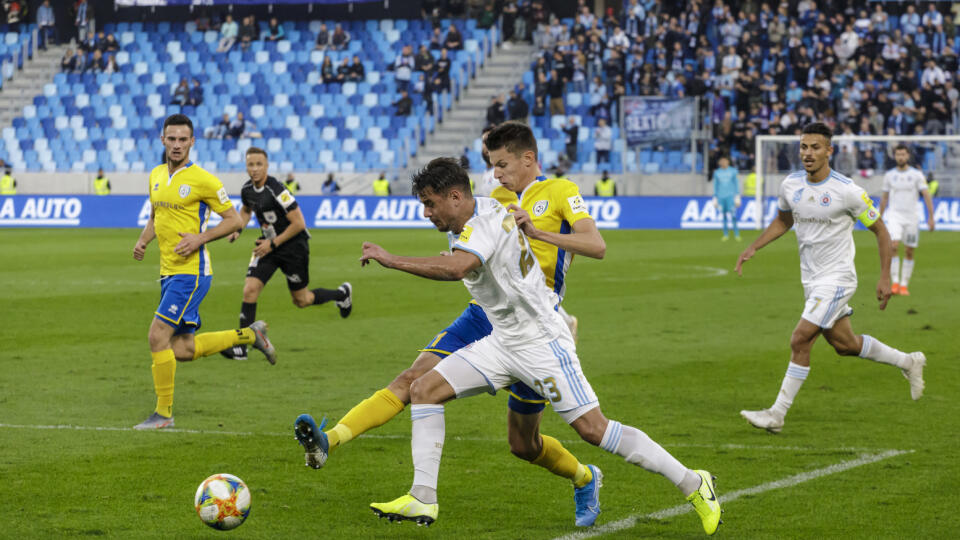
(827, 304)
(903, 230)
(553, 370)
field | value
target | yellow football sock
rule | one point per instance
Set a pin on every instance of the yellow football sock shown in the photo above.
(558, 460)
(372, 412)
(214, 342)
(164, 367)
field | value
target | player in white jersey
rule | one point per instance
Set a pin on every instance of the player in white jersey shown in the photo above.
(824, 205)
(902, 187)
(530, 343)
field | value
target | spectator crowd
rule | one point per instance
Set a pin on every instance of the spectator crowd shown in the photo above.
(761, 67)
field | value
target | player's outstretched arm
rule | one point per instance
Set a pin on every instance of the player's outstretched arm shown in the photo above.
(146, 236)
(584, 240)
(245, 214)
(441, 268)
(777, 227)
(885, 247)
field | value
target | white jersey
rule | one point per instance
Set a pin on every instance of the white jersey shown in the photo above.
(509, 284)
(824, 214)
(486, 185)
(904, 188)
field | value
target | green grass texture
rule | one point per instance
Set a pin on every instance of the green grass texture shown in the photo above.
(671, 339)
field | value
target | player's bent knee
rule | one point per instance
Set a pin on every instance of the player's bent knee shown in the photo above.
(591, 433)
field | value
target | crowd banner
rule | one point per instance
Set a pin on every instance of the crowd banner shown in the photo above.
(321, 212)
(647, 120)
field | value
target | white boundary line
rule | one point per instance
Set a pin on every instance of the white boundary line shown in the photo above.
(789, 481)
(769, 447)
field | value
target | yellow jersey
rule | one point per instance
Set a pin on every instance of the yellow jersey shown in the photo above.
(182, 203)
(554, 205)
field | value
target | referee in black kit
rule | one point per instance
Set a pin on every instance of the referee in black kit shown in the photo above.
(283, 243)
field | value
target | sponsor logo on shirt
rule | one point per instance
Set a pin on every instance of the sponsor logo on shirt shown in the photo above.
(184, 191)
(540, 207)
(285, 198)
(222, 195)
(465, 234)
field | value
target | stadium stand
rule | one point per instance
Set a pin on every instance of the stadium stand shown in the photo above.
(97, 119)
(762, 68)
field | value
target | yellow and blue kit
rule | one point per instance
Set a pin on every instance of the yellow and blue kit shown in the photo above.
(182, 203)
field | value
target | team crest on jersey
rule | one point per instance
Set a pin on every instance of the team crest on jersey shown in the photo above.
(222, 195)
(825, 199)
(184, 191)
(270, 216)
(156, 187)
(540, 208)
(797, 195)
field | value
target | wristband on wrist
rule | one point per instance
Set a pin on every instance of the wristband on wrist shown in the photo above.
(272, 245)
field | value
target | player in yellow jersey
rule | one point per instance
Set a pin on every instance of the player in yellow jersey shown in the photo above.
(182, 196)
(562, 226)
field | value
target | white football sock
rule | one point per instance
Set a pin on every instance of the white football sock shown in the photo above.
(791, 384)
(426, 444)
(637, 448)
(895, 270)
(907, 272)
(879, 352)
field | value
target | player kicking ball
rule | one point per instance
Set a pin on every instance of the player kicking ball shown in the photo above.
(824, 205)
(555, 220)
(530, 343)
(901, 188)
(283, 243)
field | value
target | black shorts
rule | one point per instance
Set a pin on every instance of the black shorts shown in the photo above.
(292, 260)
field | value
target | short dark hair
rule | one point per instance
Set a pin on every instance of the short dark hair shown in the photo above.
(255, 150)
(178, 120)
(903, 147)
(515, 136)
(818, 128)
(440, 176)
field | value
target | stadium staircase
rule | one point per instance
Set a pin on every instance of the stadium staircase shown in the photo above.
(462, 125)
(28, 83)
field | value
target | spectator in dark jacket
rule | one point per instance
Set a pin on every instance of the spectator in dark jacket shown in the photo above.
(357, 72)
(404, 105)
(495, 112)
(196, 94)
(517, 108)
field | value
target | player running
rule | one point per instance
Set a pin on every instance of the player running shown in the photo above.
(181, 197)
(529, 342)
(555, 217)
(901, 188)
(824, 206)
(283, 243)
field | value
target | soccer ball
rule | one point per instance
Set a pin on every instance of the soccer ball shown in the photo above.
(223, 501)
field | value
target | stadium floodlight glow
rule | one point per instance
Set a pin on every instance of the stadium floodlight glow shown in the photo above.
(779, 155)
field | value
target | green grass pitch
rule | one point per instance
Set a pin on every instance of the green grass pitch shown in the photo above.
(671, 339)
